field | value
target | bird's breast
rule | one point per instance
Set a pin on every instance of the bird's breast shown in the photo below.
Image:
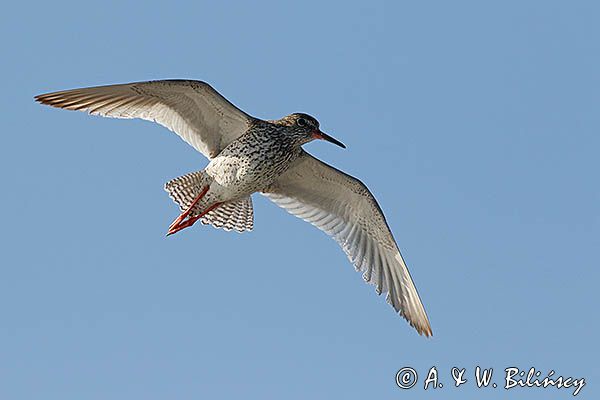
(249, 167)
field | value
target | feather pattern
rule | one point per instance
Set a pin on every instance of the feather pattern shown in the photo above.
(192, 109)
(345, 209)
(235, 215)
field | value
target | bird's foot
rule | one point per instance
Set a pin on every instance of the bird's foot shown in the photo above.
(188, 210)
(181, 222)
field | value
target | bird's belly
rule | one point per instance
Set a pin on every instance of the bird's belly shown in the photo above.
(237, 177)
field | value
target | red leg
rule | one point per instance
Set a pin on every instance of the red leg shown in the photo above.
(188, 210)
(191, 221)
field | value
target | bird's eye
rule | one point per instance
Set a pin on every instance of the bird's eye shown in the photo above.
(301, 122)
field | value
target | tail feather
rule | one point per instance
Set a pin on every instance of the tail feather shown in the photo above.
(233, 215)
(183, 190)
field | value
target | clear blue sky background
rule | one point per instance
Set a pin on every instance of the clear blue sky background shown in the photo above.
(475, 124)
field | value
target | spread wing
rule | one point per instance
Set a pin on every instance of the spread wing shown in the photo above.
(192, 109)
(345, 209)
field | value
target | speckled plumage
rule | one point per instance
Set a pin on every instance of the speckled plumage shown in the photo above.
(249, 164)
(254, 160)
(249, 155)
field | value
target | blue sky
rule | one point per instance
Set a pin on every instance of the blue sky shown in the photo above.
(475, 124)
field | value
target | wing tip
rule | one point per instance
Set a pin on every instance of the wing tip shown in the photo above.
(41, 98)
(423, 330)
(50, 99)
(420, 323)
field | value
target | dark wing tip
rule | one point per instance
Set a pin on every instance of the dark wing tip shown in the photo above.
(423, 329)
(49, 99)
(427, 332)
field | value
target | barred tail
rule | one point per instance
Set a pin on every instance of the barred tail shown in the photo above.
(233, 215)
(183, 190)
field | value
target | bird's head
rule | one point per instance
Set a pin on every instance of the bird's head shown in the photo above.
(305, 128)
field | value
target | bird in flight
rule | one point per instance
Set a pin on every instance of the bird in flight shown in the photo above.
(249, 155)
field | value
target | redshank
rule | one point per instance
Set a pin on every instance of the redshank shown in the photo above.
(249, 155)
